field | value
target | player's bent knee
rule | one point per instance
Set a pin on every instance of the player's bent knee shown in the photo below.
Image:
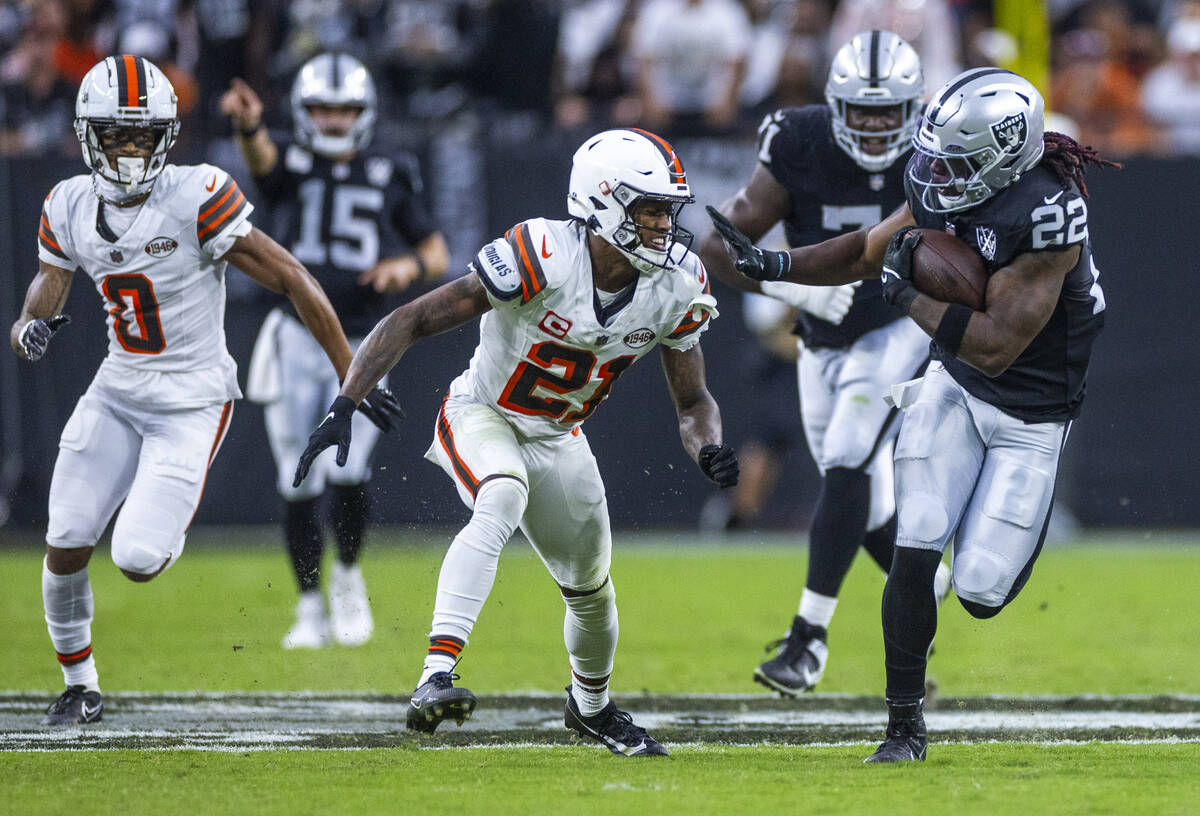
(982, 578)
(922, 517)
(978, 610)
(138, 561)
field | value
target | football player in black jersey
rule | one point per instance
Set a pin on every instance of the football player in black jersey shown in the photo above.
(983, 431)
(355, 219)
(825, 170)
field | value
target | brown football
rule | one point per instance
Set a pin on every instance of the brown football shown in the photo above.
(946, 268)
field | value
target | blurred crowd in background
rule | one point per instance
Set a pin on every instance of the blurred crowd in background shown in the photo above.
(1120, 75)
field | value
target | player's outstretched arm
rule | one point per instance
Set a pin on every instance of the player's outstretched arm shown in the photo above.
(275, 268)
(41, 315)
(447, 307)
(699, 417)
(754, 210)
(847, 258)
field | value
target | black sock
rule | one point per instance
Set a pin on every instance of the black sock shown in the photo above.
(350, 510)
(837, 528)
(881, 543)
(304, 543)
(909, 622)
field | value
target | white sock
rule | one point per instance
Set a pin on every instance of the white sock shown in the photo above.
(69, 607)
(591, 694)
(590, 632)
(816, 608)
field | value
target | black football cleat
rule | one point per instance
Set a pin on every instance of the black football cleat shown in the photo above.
(437, 699)
(75, 706)
(905, 739)
(612, 728)
(800, 664)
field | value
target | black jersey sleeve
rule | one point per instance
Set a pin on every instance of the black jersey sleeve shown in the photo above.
(410, 213)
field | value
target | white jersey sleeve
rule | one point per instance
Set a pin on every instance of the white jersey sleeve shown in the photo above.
(692, 282)
(510, 268)
(54, 235)
(223, 214)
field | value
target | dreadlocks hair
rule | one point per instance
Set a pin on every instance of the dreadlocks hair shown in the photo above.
(1069, 159)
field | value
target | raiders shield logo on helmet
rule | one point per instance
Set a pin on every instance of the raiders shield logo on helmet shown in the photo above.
(1011, 131)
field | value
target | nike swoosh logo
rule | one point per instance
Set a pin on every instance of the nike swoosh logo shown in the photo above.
(328, 417)
(1053, 198)
(211, 184)
(545, 254)
(87, 711)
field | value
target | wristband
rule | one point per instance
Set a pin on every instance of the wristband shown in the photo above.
(249, 133)
(342, 407)
(422, 271)
(952, 327)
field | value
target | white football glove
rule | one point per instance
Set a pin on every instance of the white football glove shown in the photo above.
(829, 303)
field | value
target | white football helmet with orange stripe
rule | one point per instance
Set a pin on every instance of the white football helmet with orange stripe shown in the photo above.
(615, 170)
(126, 91)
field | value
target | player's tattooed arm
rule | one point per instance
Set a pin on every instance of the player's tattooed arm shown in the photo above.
(1020, 299)
(699, 416)
(273, 267)
(45, 299)
(447, 307)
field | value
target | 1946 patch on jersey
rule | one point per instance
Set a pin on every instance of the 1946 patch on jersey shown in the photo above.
(161, 247)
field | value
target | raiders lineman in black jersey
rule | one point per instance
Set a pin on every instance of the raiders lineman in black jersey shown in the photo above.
(825, 170)
(978, 452)
(354, 218)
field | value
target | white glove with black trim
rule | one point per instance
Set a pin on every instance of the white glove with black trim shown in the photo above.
(829, 303)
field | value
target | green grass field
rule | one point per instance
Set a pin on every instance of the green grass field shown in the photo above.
(1116, 615)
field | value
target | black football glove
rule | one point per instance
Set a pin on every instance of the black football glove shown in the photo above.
(898, 289)
(747, 258)
(36, 334)
(720, 464)
(382, 408)
(333, 430)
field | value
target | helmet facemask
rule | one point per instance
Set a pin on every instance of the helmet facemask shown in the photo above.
(101, 139)
(649, 248)
(860, 143)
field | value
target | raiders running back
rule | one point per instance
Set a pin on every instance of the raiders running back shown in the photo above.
(340, 218)
(830, 195)
(1047, 381)
(549, 374)
(161, 280)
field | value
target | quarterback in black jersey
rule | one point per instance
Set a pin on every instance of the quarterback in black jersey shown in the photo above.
(978, 453)
(825, 170)
(353, 216)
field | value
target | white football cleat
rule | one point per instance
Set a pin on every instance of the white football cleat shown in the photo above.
(349, 605)
(311, 630)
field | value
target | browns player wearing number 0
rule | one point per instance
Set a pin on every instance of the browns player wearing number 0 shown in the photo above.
(978, 452)
(566, 307)
(155, 239)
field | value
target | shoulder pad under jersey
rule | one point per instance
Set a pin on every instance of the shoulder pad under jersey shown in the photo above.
(510, 267)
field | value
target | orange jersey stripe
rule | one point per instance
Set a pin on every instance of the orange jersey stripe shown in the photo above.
(224, 216)
(227, 191)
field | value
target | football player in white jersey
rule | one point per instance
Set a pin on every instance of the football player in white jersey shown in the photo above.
(155, 240)
(566, 308)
